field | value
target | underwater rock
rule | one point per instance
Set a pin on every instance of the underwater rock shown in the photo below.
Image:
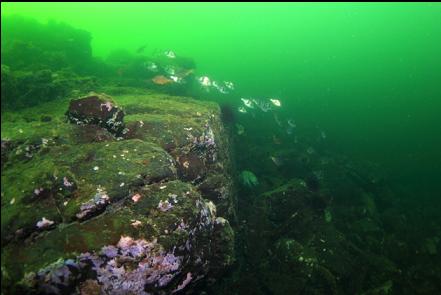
(6, 147)
(154, 258)
(219, 188)
(29, 44)
(223, 247)
(193, 133)
(72, 181)
(95, 205)
(90, 134)
(296, 250)
(191, 167)
(9, 89)
(45, 118)
(23, 89)
(91, 204)
(97, 109)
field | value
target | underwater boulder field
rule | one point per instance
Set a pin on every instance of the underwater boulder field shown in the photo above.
(220, 148)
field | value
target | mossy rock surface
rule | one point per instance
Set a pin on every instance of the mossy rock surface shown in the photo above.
(71, 191)
(60, 179)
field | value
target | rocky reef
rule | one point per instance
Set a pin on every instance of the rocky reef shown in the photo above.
(44, 62)
(115, 194)
(322, 223)
(115, 180)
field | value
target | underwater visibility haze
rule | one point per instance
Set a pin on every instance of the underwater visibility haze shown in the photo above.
(221, 148)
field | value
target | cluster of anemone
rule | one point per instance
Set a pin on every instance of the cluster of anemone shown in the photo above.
(126, 268)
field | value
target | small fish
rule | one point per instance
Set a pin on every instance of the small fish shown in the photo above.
(242, 110)
(323, 134)
(240, 129)
(277, 161)
(151, 66)
(170, 54)
(248, 103)
(289, 130)
(292, 123)
(187, 73)
(184, 73)
(276, 118)
(264, 106)
(176, 79)
(141, 49)
(276, 102)
(222, 90)
(229, 85)
(161, 80)
(215, 84)
(223, 87)
(219, 87)
(205, 81)
(276, 140)
(170, 70)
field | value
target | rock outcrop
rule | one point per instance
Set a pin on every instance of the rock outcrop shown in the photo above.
(114, 204)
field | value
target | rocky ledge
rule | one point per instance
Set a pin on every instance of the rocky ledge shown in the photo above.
(128, 194)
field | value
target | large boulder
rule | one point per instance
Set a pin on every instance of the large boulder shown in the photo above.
(193, 136)
(87, 211)
(96, 109)
(158, 240)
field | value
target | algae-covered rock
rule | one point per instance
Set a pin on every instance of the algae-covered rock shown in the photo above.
(28, 44)
(63, 182)
(193, 134)
(23, 89)
(86, 211)
(97, 109)
(295, 250)
(145, 248)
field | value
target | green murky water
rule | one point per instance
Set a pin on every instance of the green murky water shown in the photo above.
(345, 97)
